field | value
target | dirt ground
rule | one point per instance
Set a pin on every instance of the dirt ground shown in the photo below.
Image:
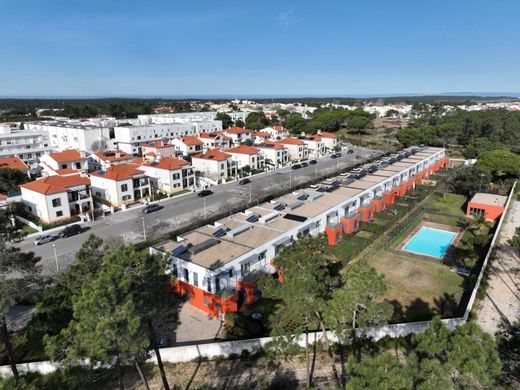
(502, 301)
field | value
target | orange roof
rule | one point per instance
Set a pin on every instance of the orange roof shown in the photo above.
(2, 197)
(223, 135)
(67, 172)
(191, 140)
(158, 145)
(270, 145)
(236, 130)
(279, 129)
(55, 184)
(119, 172)
(326, 134)
(13, 163)
(66, 156)
(243, 149)
(113, 156)
(213, 135)
(291, 141)
(213, 154)
(171, 164)
(314, 137)
(261, 134)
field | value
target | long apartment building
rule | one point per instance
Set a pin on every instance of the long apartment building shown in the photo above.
(26, 144)
(218, 265)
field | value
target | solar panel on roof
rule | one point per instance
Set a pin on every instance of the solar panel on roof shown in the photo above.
(279, 206)
(179, 250)
(220, 232)
(203, 246)
(294, 217)
(252, 217)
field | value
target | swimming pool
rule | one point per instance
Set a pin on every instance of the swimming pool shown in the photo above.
(430, 241)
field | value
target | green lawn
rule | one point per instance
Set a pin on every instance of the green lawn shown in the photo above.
(449, 204)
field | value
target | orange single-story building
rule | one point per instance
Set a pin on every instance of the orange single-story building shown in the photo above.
(489, 206)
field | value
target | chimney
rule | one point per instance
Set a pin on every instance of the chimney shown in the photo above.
(319, 132)
(118, 154)
(303, 134)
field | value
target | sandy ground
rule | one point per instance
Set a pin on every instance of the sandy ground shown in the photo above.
(502, 301)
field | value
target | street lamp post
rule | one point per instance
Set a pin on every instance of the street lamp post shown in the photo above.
(250, 193)
(56, 258)
(205, 211)
(144, 229)
(290, 180)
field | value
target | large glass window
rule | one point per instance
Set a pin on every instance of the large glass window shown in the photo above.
(56, 202)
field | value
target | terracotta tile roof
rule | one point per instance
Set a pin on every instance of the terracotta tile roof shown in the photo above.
(67, 172)
(261, 134)
(113, 156)
(326, 134)
(158, 144)
(224, 136)
(243, 149)
(315, 137)
(3, 197)
(13, 163)
(213, 135)
(270, 145)
(171, 164)
(279, 129)
(236, 130)
(119, 172)
(191, 141)
(55, 184)
(66, 156)
(291, 141)
(213, 154)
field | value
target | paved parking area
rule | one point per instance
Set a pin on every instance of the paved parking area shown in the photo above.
(194, 325)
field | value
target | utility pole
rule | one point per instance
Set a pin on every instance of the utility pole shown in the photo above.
(290, 179)
(205, 213)
(144, 229)
(316, 169)
(56, 258)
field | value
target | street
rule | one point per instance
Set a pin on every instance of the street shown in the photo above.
(131, 226)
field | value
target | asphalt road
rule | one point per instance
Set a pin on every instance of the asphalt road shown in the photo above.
(128, 225)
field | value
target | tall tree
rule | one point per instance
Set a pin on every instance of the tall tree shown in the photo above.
(225, 118)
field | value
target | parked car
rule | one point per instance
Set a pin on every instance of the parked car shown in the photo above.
(338, 154)
(70, 230)
(350, 151)
(244, 181)
(304, 164)
(43, 239)
(296, 166)
(335, 155)
(204, 193)
(313, 162)
(151, 208)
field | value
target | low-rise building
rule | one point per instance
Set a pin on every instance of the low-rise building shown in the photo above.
(28, 145)
(276, 132)
(238, 135)
(215, 140)
(276, 154)
(187, 145)
(13, 163)
(314, 144)
(489, 206)
(159, 148)
(329, 140)
(71, 158)
(296, 148)
(167, 174)
(247, 156)
(104, 160)
(215, 164)
(56, 198)
(120, 185)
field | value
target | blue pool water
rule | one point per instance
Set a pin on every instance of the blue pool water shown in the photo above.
(430, 242)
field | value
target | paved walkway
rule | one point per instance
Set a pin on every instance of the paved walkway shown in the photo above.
(502, 301)
(194, 326)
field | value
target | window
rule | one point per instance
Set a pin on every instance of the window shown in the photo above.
(208, 284)
(98, 194)
(217, 284)
(176, 176)
(63, 166)
(186, 274)
(126, 197)
(230, 273)
(262, 255)
(59, 213)
(124, 187)
(78, 165)
(195, 279)
(244, 268)
(56, 202)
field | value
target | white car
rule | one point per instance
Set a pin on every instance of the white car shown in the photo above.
(43, 239)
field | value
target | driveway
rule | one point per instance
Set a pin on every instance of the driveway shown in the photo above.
(129, 226)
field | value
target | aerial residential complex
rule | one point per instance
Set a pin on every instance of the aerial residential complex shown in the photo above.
(218, 265)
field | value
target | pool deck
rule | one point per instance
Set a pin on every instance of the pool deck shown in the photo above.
(434, 225)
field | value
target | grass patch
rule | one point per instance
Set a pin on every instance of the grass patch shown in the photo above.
(451, 204)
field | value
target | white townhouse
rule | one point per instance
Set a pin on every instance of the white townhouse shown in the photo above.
(159, 148)
(314, 144)
(238, 135)
(120, 185)
(296, 148)
(187, 145)
(167, 174)
(276, 154)
(247, 156)
(260, 137)
(276, 132)
(217, 266)
(28, 145)
(66, 159)
(215, 164)
(214, 140)
(56, 198)
(329, 140)
(104, 160)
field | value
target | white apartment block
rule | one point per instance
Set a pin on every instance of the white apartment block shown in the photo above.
(247, 156)
(188, 145)
(67, 159)
(215, 140)
(27, 144)
(215, 164)
(167, 174)
(276, 154)
(296, 148)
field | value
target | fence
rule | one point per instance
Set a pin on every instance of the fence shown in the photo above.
(29, 223)
(226, 348)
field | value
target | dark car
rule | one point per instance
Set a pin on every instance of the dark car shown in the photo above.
(313, 162)
(296, 166)
(350, 151)
(304, 164)
(338, 154)
(244, 181)
(151, 208)
(335, 155)
(204, 193)
(70, 230)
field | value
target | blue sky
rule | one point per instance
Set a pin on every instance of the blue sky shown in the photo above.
(166, 48)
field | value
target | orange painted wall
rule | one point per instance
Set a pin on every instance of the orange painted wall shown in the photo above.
(349, 224)
(197, 298)
(491, 212)
(333, 234)
(249, 289)
(379, 205)
(366, 213)
(389, 197)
